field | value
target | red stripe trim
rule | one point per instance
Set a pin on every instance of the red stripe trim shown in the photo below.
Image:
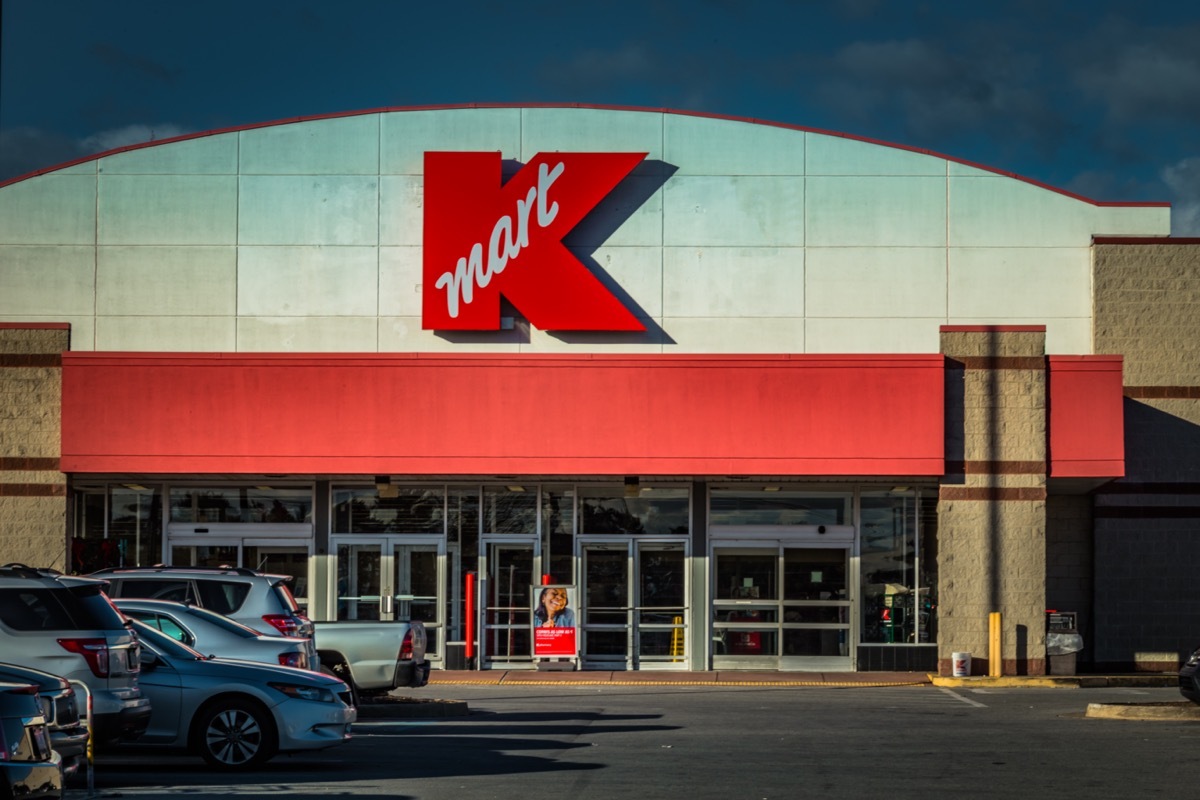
(28, 464)
(36, 326)
(991, 493)
(1163, 392)
(1145, 240)
(600, 107)
(30, 359)
(996, 467)
(33, 490)
(993, 328)
(996, 362)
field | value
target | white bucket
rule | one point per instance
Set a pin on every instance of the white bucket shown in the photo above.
(962, 664)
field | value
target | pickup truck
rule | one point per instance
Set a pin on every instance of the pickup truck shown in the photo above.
(373, 657)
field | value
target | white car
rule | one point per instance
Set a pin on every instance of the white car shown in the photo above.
(237, 714)
(216, 635)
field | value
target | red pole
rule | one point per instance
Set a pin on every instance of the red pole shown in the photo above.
(470, 591)
(547, 580)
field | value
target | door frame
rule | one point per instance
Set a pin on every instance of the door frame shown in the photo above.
(483, 588)
(633, 546)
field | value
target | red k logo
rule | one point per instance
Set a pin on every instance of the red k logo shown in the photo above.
(484, 239)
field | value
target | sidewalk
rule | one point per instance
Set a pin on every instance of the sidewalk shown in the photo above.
(765, 678)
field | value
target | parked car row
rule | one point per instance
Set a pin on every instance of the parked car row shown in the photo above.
(172, 673)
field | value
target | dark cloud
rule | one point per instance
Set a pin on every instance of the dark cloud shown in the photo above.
(1141, 75)
(1183, 179)
(113, 56)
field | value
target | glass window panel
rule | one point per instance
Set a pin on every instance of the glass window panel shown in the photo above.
(116, 526)
(250, 504)
(927, 620)
(653, 511)
(662, 577)
(607, 580)
(359, 581)
(814, 574)
(222, 555)
(740, 507)
(513, 641)
(558, 528)
(748, 643)
(888, 558)
(744, 576)
(510, 510)
(801, 642)
(398, 509)
(813, 615)
(605, 643)
(746, 614)
(281, 561)
(661, 643)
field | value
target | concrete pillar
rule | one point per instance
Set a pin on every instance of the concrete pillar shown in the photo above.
(992, 501)
(33, 492)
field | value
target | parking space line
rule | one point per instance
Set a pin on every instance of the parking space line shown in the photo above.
(966, 700)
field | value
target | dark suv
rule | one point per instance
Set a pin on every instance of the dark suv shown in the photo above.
(255, 599)
(67, 626)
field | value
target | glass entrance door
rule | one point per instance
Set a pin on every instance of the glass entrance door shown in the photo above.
(392, 578)
(782, 607)
(509, 572)
(634, 605)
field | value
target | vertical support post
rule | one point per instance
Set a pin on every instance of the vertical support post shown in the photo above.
(995, 651)
(469, 597)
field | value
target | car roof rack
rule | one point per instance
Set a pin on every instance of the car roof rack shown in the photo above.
(169, 568)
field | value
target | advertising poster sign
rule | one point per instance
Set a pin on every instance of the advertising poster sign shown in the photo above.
(554, 629)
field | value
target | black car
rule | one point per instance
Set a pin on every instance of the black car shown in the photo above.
(60, 707)
(1189, 679)
(30, 768)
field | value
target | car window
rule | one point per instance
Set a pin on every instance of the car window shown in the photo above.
(281, 591)
(224, 623)
(223, 597)
(155, 588)
(165, 624)
(62, 609)
(159, 642)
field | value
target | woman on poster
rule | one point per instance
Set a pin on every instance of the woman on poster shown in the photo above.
(552, 611)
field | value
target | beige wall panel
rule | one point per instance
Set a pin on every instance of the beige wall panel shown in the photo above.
(875, 211)
(167, 209)
(880, 335)
(733, 282)
(400, 281)
(307, 334)
(401, 210)
(34, 531)
(320, 209)
(53, 281)
(166, 334)
(1035, 283)
(307, 282)
(840, 155)
(634, 207)
(707, 146)
(875, 282)
(404, 137)
(49, 209)
(404, 335)
(733, 211)
(207, 155)
(164, 281)
(342, 146)
(734, 335)
(584, 130)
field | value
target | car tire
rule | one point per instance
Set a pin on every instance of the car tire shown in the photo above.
(235, 734)
(346, 679)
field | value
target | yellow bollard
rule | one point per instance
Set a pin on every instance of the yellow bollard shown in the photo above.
(995, 652)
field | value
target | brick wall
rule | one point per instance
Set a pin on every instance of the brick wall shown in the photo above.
(32, 490)
(992, 502)
(1147, 529)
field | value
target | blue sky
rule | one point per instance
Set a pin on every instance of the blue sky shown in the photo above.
(1098, 98)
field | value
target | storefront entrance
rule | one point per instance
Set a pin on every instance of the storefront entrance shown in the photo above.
(389, 578)
(783, 607)
(634, 604)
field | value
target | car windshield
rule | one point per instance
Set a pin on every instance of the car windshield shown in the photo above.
(69, 608)
(162, 644)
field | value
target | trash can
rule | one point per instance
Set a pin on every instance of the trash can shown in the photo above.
(1063, 641)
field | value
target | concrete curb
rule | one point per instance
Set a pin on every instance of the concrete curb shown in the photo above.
(1059, 681)
(1184, 711)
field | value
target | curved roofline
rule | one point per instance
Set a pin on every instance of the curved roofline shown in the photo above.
(599, 107)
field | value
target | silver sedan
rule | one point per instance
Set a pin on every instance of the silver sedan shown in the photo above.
(237, 714)
(217, 635)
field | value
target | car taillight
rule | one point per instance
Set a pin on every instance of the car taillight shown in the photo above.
(286, 624)
(406, 651)
(95, 651)
(299, 660)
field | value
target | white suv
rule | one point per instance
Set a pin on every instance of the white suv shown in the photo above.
(66, 626)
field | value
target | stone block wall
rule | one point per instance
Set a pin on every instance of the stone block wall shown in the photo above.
(33, 491)
(992, 501)
(1147, 526)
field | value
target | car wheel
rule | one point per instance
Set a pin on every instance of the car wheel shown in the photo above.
(235, 734)
(346, 679)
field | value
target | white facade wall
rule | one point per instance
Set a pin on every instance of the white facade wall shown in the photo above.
(733, 237)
